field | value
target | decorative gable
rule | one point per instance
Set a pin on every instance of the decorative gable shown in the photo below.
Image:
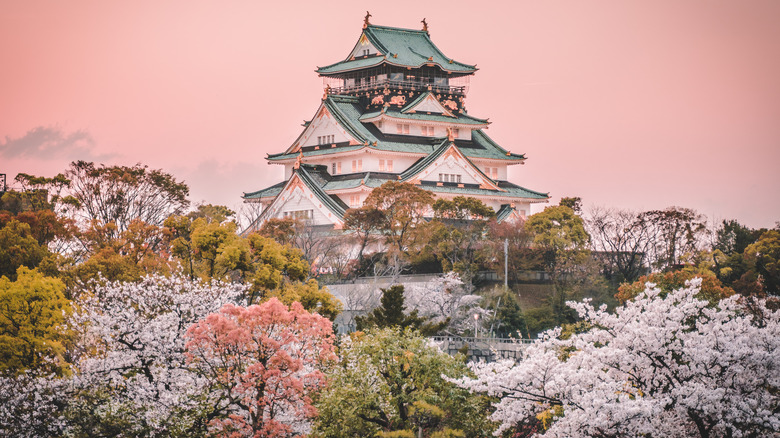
(427, 103)
(452, 163)
(323, 131)
(363, 48)
(299, 201)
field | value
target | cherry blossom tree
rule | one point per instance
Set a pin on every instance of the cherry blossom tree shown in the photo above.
(31, 405)
(444, 298)
(663, 365)
(132, 371)
(261, 364)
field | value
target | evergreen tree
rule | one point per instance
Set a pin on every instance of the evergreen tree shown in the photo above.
(391, 314)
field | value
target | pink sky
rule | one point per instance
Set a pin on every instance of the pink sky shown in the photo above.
(638, 105)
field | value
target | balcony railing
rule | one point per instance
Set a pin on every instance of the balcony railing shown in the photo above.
(399, 85)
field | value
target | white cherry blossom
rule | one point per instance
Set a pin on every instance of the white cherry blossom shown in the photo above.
(663, 365)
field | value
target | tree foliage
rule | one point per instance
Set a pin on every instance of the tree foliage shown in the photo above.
(389, 383)
(392, 313)
(660, 366)
(19, 248)
(121, 194)
(764, 255)
(132, 372)
(32, 315)
(561, 235)
(457, 232)
(403, 206)
(262, 364)
(677, 235)
(207, 245)
(621, 241)
(710, 288)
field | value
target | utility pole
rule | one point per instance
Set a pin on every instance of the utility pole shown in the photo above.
(506, 263)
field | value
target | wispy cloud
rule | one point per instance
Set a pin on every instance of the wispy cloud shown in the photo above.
(51, 142)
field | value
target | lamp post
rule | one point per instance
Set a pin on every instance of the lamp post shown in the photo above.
(476, 318)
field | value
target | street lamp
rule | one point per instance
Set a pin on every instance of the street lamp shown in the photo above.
(476, 318)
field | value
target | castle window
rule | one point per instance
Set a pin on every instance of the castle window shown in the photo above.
(428, 130)
(365, 52)
(325, 139)
(354, 165)
(402, 128)
(360, 165)
(449, 177)
(338, 167)
(389, 165)
(299, 214)
(381, 165)
(455, 132)
(333, 169)
(354, 201)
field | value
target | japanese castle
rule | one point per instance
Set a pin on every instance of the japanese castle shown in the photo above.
(394, 109)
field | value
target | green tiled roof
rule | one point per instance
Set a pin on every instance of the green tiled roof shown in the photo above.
(334, 204)
(462, 118)
(504, 212)
(512, 190)
(488, 148)
(401, 47)
(348, 111)
(422, 163)
(264, 193)
(309, 177)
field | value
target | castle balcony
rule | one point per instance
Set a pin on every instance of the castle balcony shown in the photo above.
(418, 80)
(406, 85)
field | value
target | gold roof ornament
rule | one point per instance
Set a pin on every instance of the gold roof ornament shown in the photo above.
(365, 20)
(327, 91)
(450, 135)
(425, 25)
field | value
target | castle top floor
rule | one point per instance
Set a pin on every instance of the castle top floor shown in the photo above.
(397, 59)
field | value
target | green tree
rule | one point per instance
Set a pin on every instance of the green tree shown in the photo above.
(38, 193)
(365, 222)
(311, 296)
(457, 234)
(575, 203)
(764, 256)
(561, 234)
(121, 194)
(392, 313)
(389, 383)
(207, 245)
(522, 256)
(732, 237)
(403, 206)
(137, 251)
(281, 230)
(32, 312)
(508, 319)
(19, 248)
